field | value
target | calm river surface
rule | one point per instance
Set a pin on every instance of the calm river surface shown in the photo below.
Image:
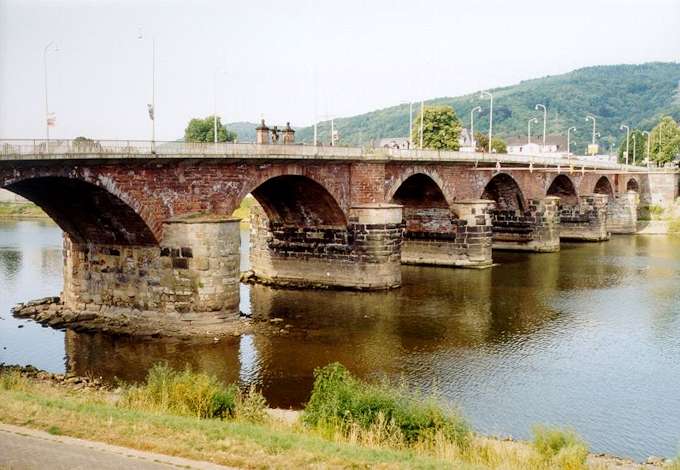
(588, 337)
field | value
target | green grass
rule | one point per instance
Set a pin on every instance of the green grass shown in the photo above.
(182, 393)
(243, 211)
(17, 210)
(341, 403)
(561, 447)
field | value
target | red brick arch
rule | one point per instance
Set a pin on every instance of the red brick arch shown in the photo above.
(431, 173)
(563, 187)
(88, 211)
(603, 186)
(505, 191)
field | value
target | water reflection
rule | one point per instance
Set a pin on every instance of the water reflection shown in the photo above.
(588, 337)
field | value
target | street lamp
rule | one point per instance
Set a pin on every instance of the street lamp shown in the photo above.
(634, 146)
(487, 94)
(592, 118)
(649, 142)
(472, 125)
(623, 126)
(152, 107)
(47, 109)
(217, 71)
(569, 139)
(422, 121)
(410, 125)
(534, 120)
(545, 118)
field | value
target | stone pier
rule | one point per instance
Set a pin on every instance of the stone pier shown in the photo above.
(190, 280)
(364, 255)
(586, 221)
(465, 242)
(622, 212)
(536, 229)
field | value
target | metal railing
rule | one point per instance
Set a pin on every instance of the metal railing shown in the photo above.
(36, 149)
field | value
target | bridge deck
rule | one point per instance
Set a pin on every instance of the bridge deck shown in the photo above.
(32, 150)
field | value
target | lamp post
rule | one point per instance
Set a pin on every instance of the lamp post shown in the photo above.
(569, 139)
(590, 117)
(534, 120)
(634, 147)
(410, 125)
(472, 125)
(217, 71)
(47, 108)
(545, 118)
(152, 106)
(422, 122)
(487, 94)
(623, 126)
(649, 142)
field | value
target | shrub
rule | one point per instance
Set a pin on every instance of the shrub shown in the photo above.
(563, 448)
(340, 402)
(184, 393)
(251, 406)
(11, 379)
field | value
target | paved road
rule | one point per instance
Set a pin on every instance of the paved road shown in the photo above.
(27, 449)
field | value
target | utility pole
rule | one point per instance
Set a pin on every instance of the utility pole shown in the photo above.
(634, 148)
(569, 139)
(410, 125)
(590, 117)
(534, 120)
(488, 94)
(545, 118)
(422, 121)
(47, 106)
(472, 125)
(649, 142)
(623, 126)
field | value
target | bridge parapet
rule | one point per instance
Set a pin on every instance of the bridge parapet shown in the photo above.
(27, 149)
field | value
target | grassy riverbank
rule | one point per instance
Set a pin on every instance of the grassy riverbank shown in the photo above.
(347, 423)
(20, 210)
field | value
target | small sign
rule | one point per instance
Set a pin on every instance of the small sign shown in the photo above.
(593, 149)
(51, 120)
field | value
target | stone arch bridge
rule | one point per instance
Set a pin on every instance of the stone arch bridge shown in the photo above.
(148, 226)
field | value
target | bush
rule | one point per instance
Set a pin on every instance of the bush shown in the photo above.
(251, 406)
(563, 448)
(341, 402)
(11, 379)
(184, 393)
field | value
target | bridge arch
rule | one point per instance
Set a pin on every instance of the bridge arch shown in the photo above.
(435, 181)
(562, 187)
(87, 212)
(503, 189)
(298, 200)
(425, 208)
(633, 185)
(604, 186)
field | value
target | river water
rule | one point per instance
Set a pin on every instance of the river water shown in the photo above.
(587, 338)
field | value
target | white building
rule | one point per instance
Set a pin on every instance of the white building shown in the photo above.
(554, 145)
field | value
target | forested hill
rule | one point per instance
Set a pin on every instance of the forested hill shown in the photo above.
(637, 95)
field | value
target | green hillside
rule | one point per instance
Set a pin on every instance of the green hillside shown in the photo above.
(637, 95)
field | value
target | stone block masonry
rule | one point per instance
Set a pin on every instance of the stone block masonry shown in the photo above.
(622, 212)
(364, 255)
(535, 229)
(586, 221)
(192, 278)
(462, 241)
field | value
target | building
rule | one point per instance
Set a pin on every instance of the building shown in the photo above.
(554, 145)
(394, 143)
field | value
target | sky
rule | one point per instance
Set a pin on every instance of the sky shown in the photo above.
(297, 60)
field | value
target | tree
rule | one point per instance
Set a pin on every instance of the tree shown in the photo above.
(498, 145)
(441, 128)
(481, 142)
(203, 130)
(665, 137)
(640, 150)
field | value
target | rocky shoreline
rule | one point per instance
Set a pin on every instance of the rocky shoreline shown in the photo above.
(51, 312)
